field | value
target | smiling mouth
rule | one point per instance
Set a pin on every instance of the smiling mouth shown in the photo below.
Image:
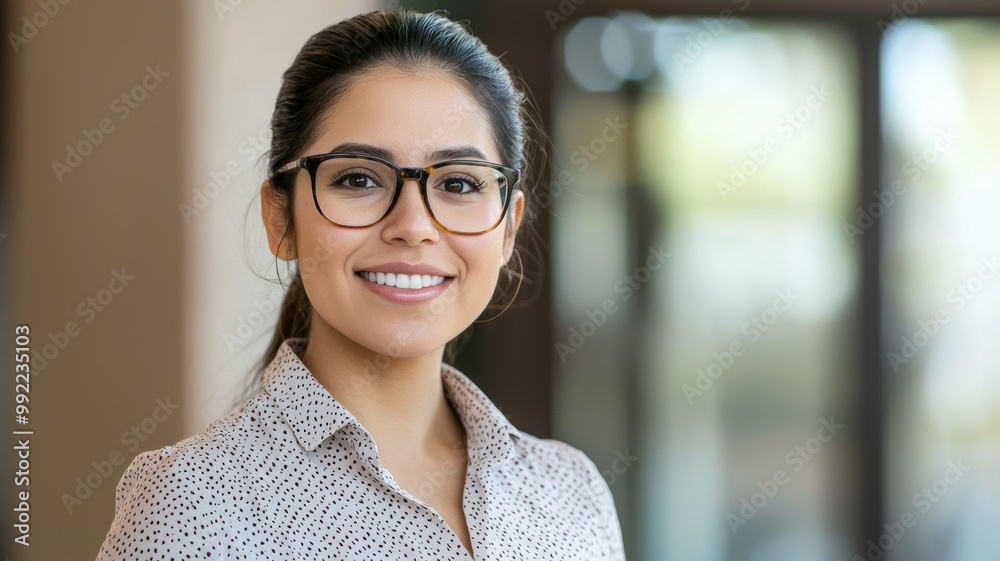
(409, 282)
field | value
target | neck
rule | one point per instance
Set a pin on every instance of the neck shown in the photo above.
(400, 401)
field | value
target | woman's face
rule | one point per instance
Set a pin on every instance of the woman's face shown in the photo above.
(410, 115)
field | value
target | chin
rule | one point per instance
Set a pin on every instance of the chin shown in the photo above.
(405, 345)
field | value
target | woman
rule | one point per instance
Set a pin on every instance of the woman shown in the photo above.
(397, 143)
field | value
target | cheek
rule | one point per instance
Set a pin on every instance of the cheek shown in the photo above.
(483, 259)
(322, 247)
(320, 252)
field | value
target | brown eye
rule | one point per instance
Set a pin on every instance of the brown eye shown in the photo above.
(461, 185)
(354, 180)
(357, 181)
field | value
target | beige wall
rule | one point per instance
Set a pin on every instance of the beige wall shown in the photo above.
(159, 339)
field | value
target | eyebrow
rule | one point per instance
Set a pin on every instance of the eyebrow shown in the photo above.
(451, 153)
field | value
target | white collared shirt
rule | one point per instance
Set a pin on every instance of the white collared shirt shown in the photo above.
(292, 474)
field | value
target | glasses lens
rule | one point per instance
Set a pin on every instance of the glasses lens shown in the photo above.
(354, 191)
(467, 198)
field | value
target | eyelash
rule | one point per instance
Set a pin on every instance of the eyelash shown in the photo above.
(477, 185)
(349, 173)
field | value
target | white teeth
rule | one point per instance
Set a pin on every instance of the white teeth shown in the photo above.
(410, 282)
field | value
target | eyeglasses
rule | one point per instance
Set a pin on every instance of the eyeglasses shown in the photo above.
(356, 190)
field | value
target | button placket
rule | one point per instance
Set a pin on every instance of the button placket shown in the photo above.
(470, 479)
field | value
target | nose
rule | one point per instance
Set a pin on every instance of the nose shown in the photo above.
(410, 220)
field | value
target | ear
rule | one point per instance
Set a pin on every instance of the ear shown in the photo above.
(517, 204)
(273, 212)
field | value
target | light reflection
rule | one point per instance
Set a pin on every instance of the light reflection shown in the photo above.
(582, 51)
(919, 79)
(942, 276)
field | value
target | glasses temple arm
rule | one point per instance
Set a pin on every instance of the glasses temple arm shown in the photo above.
(290, 166)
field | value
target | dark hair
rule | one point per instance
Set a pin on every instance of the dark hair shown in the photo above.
(326, 67)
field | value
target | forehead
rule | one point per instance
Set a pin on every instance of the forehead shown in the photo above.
(410, 114)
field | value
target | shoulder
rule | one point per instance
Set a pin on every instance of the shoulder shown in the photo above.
(206, 456)
(175, 469)
(166, 502)
(575, 480)
(179, 490)
(561, 462)
(556, 454)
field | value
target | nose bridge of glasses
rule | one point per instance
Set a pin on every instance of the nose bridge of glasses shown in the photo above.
(411, 173)
(418, 175)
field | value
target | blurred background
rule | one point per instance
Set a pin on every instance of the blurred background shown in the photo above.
(764, 306)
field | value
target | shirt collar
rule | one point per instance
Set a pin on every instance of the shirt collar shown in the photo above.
(314, 414)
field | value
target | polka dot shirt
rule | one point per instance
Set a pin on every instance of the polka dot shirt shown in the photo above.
(292, 474)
